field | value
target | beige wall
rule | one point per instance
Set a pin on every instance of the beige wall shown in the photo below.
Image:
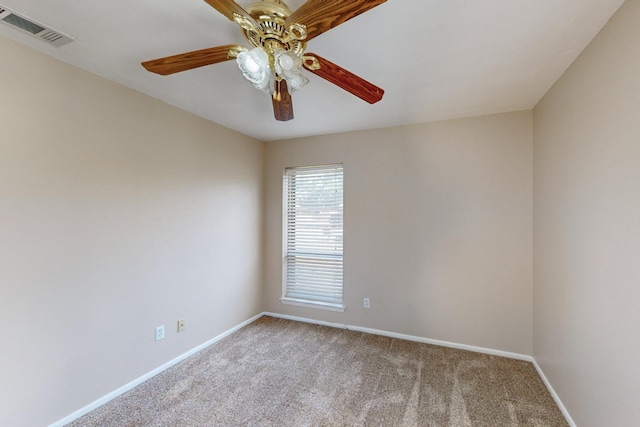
(117, 214)
(587, 229)
(437, 228)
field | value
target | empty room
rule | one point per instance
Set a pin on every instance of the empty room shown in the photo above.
(320, 213)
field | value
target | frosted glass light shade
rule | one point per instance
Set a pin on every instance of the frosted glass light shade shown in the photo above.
(286, 62)
(254, 65)
(289, 66)
(296, 82)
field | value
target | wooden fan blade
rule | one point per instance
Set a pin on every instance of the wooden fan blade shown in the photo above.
(189, 60)
(345, 79)
(230, 8)
(282, 104)
(322, 15)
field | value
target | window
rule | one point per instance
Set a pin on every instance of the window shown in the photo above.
(312, 264)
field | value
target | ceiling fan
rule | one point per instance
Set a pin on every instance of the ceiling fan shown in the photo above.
(279, 39)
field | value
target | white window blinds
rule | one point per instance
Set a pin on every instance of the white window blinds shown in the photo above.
(313, 242)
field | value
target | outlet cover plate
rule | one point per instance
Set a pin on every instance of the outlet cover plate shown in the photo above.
(159, 332)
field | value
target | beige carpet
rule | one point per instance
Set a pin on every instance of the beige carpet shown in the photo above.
(276, 372)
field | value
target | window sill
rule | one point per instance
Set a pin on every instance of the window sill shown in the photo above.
(313, 304)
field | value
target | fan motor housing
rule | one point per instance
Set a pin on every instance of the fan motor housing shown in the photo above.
(271, 16)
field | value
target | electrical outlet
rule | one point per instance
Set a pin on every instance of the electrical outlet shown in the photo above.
(367, 303)
(181, 325)
(159, 332)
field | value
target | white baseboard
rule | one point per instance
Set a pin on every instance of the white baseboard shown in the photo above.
(555, 396)
(96, 404)
(501, 353)
(408, 337)
(83, 411)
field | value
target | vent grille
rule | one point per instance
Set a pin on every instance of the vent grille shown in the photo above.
(33, 28)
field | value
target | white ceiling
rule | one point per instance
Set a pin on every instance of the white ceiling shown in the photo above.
(436, 59)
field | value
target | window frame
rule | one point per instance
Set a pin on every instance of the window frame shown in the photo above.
(310, 302)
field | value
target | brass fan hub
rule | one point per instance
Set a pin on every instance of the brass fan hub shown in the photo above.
(271, 16)
(269, 8)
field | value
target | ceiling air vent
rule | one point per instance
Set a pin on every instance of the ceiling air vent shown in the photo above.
(40, 31)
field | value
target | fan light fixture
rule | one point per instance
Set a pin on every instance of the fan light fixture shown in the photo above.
(289, 66)
(278, 38)
(278, 50)
(256, 67)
